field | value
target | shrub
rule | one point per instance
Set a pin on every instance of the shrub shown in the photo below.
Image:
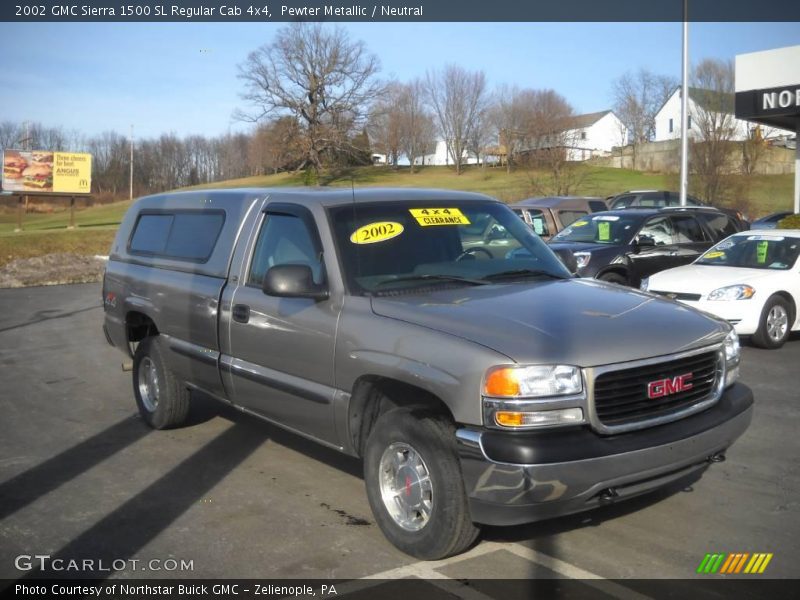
(790, 222)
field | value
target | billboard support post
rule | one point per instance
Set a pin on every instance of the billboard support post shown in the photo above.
(21, 201)
(71, 213)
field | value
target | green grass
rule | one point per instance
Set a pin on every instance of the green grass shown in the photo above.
(46, 233)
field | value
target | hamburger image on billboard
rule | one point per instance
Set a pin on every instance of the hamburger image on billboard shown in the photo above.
(38, 176)
(41, 171)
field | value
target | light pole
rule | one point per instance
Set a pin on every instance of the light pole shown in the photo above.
(685, 106)
(130, 194)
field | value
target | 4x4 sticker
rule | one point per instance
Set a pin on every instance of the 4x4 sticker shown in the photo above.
(380, 231)
(439, 216)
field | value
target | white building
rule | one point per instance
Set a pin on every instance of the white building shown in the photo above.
(594, 134)
(441, 157)
(587, 136)
(702, 102)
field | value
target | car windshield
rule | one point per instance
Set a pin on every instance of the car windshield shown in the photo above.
(600, 229)
(753, 252)
(391, 246)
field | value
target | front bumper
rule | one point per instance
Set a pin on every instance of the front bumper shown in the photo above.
(515, 477)
(744, 315)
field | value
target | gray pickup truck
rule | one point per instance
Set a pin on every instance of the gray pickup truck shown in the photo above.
(477, 388)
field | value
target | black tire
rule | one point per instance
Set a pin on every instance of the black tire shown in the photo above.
(168, 406)
(765, 336)
(613, 278)
(448, 529)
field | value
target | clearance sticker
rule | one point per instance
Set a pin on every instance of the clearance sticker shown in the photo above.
(580, 224)
(714, 254)
(439, 216)
(380, 231)
(604, 231)
(761, 252)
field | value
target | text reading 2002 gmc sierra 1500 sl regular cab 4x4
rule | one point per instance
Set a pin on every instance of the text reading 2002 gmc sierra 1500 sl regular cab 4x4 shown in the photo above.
(478, 389)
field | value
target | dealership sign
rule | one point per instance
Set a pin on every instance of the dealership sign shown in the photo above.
(778, 102)
(41, 171)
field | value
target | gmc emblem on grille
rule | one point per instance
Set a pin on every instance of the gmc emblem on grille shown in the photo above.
(669, 386)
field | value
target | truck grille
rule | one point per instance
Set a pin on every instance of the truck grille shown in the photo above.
(622, 397)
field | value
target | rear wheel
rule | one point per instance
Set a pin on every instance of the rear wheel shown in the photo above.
(162, 399)
(414, 484)
(775, 324)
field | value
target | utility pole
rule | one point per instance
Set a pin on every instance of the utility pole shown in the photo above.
(130, 193)
(685, 106)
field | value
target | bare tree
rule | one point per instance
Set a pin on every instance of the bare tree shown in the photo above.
(318, 76)
(458, 98)
(385, 122)
(713, 117)
(417, 126)
(510, 116)
(637, 99)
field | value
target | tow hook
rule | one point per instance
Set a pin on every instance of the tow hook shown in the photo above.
(608, 495)
(717, 458)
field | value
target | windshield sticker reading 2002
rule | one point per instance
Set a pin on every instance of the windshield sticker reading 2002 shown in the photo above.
(439, 216)
(380, 231)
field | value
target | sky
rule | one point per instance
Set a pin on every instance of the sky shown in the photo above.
(181, 77)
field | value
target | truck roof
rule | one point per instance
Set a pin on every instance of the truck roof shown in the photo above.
(323, 196)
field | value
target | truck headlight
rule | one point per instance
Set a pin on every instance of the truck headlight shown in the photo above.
(732, 292)
(582, 258)
(733, 352)
(532, 381)
(645, 284)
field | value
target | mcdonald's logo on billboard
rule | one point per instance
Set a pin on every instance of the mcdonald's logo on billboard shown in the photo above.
(735, 563)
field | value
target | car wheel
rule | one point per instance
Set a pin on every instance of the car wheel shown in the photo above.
(613, 278)
(775, 324)
(414, 485)
(162, 399)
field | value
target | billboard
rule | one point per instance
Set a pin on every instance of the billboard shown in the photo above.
(40, 171)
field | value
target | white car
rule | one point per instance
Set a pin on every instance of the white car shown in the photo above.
(751, 279)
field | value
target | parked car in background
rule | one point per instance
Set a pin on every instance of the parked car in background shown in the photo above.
(751, 279)
(770, 221)
(663, 199)
(549, 215)
(624, 246)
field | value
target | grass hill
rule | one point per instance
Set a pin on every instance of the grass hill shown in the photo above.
(46, 233)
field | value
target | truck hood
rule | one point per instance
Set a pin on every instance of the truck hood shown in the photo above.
(703, 279)
(572, 321)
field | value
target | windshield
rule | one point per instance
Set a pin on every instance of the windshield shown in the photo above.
(390, 246)
(600, 229)
(753, 252)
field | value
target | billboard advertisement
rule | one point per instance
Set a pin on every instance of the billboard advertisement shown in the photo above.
(40, 171)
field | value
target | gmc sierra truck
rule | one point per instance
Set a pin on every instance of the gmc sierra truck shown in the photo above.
(478, 386)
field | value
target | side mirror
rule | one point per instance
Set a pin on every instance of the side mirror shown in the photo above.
(292, 281)
(566, 256)
(645, 241)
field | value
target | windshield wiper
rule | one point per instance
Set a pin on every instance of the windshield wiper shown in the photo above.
(432, 277)
(519, 273)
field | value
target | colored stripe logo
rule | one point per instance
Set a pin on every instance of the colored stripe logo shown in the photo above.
(734, 563)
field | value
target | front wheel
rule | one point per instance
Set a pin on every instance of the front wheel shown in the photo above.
(163, 401)
(613, 278)
(414, 484)
(775, 324)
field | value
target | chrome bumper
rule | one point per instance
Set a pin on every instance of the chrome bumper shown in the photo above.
(506, 489)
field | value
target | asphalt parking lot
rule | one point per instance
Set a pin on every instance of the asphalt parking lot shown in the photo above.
(82, 477)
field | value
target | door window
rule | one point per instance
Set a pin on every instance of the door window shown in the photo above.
(659, 229)
(283, 240)
(721, 225)
(688, 230)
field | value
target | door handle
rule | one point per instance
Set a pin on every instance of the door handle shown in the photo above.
(241, 313)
